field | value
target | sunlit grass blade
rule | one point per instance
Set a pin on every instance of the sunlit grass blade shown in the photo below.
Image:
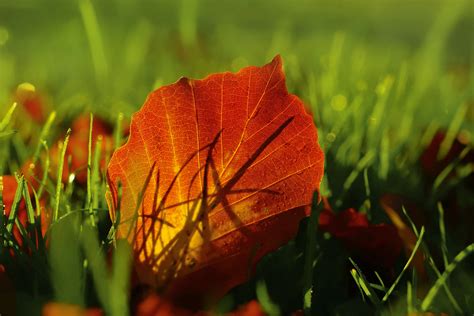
(428, 300)
(89, 172)
(443, 175)
(15, 204)
(118, 131)
(407, 264)
(43, 136)
(7, 118)
(358, 281)
(410, 305)
(363, 284)
(59, 183)
(95, 176)
(44, 178)
(265, 300)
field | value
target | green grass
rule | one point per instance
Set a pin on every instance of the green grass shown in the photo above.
(381, 77)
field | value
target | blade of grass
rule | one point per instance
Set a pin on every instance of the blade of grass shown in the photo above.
(407, 264)
(94, 37)
(118, 131)
(452, 131)
(59, 182)
(2, 206)
(410, 306)
(363, 163)
(365, 285)
(89, 173)
(30, 213)
(379, 278)
(95, 177)
(7, 133)
(98, 267)
(119, 284)
(265, 300)
(310, 254)
(43, 135)
(46, 164)
(358, 282)
(428, 300)
(8, 117)
(442, 231)
(15, 204)
(66, 260)
(449, 168)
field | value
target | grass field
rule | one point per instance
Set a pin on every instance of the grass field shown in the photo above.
(382, 78)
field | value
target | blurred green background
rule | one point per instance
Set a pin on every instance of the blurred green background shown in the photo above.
(113, 53)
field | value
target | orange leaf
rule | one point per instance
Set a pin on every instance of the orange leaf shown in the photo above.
(230, 164)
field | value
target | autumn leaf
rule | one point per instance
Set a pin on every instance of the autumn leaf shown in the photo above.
(215, 174)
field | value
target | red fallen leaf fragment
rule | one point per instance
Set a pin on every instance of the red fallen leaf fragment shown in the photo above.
(252, 308)
(31, 101)
(61, 309)
(230, 164)
(378, 244)
(154, 305)
(432, 166)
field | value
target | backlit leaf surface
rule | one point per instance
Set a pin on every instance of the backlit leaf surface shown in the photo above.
(216, 173)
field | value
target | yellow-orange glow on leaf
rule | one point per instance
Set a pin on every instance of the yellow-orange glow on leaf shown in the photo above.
(229, 165)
